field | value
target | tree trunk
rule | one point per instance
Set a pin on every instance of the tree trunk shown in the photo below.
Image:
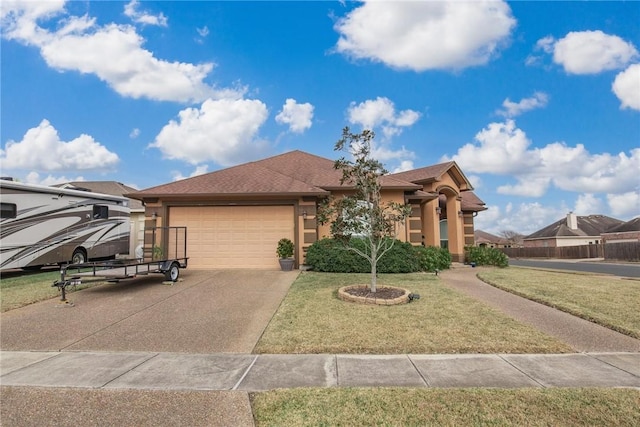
(374, 265)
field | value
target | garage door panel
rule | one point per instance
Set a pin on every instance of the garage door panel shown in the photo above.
(233, 236)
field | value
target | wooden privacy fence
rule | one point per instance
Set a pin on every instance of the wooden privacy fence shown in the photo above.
(562, 252)
(622, 251)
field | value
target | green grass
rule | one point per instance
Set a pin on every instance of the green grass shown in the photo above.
(311, 319)
(446, 407)
(28, 288)
(608, 301)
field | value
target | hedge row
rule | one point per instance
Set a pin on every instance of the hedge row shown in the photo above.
(483, 255)
(331, 255)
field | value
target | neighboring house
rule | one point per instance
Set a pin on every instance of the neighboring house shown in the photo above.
(484, 239)
(573, 230)
(117, 189)
(626, 232)
(235, 216)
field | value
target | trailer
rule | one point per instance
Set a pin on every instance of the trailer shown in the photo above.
(164, 252)
(42, 225)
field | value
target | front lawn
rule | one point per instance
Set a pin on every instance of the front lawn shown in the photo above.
(608, 301)
(19, 290)
(447, 407)
(311, 319)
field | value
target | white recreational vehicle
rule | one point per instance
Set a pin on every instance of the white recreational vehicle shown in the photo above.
(42, 225)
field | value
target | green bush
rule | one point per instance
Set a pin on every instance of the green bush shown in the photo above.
(432, 258)
(330, 255)
(483, 255)
(400, 259)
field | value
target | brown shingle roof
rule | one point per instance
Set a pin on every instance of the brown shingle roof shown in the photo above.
(484, 237)
(592, 225)
(471, 202)
(292, 173)
(247, 179)
(633, 225)
(428, 173)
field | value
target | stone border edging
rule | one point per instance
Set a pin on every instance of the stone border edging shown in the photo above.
(345, 296)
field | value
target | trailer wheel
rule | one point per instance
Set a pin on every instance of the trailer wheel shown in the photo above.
(173, 272)
(79, 256)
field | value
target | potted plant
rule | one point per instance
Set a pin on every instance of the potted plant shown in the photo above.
(285, 254)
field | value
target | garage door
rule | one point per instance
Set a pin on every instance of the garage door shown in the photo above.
(234, 236)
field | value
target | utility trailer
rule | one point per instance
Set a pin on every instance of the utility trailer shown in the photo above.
(164, 252)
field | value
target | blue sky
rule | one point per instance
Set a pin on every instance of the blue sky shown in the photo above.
(538, 102)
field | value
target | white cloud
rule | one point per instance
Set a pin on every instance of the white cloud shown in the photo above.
(41, 149)
(625, 205)
(513, 109)
(204, 31)
(588, 204)
(134, 133)
(35, 178)
(405, 165)
(589, 52)
(503, 149)
(114, 53)
(534, 187)
(626, 86)
(426, 35)
(223, 131)
(524, 218)
(381, 113)
(297, 116)
(131, 10)
(199, 170)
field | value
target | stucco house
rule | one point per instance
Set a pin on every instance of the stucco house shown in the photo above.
(573, 230)
(137, 211)
(235, 216)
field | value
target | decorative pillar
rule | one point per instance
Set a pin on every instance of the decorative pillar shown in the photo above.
(431, 223)
(455, 228)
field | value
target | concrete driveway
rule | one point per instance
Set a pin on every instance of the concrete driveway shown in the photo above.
(222, 311)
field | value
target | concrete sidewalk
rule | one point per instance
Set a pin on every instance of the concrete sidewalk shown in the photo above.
(250, 372)
(582, 335)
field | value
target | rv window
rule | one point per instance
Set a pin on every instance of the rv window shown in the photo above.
(100, 212)
(8, 210)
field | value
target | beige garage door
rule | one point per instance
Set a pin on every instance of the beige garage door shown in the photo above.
(233, 236)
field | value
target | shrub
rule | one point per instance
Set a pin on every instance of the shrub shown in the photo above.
(432, 258)
(486, 256)
(400, 259)
(330, 255)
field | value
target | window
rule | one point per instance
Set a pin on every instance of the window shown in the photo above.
(8, 210)
(100, 212)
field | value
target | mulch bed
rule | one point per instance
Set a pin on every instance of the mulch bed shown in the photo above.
(381, 292)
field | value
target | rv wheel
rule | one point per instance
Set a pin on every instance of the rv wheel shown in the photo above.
(79, 257)
(173, 272)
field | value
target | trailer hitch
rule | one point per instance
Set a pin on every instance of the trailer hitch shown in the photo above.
(62, 286)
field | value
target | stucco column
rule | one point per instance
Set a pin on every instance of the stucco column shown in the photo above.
(455, 229)
(431, 223)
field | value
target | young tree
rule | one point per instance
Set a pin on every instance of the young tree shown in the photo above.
(362, 214)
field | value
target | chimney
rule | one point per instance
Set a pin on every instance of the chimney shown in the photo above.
(572, 221)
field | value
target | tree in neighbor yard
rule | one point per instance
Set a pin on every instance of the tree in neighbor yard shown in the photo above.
(362, 214)
(512, 237)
